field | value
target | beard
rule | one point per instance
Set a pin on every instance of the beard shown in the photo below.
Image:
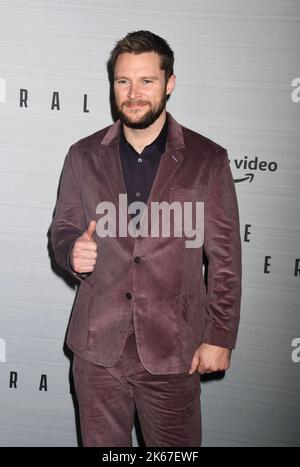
(145, 120)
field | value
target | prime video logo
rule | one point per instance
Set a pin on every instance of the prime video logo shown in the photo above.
(2, 350)
(160, 220)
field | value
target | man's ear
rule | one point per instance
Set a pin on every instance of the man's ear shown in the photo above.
(170, 84)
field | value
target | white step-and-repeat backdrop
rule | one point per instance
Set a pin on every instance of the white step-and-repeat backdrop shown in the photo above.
(238, 83)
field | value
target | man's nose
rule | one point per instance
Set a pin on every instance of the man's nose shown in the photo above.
(134, 91)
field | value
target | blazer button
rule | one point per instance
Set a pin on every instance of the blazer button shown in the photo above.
(137, 259)
(128, 295)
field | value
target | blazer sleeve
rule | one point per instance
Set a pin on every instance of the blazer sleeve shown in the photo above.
(222, 245)
(68, 221)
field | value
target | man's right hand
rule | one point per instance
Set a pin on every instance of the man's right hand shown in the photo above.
(84, 252)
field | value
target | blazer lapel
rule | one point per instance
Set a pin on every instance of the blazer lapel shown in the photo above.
(110, 161)
(170, 162)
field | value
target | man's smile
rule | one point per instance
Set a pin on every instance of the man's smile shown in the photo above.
(134, 106)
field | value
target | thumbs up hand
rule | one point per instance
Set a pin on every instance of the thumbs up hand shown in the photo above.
(84, 252)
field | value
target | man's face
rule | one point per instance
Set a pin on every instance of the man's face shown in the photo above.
(140, 88)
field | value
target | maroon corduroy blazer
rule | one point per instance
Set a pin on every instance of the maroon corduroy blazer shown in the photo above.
(173, 311)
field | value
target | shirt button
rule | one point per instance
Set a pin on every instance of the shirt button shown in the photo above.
(138, 194)
(128, 295)
(137, 259)
(140, 159)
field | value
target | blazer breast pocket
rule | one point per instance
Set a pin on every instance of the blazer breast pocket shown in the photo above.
(183, 194)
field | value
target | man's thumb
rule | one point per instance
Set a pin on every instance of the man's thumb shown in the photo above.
(90, 230)
(194, 364)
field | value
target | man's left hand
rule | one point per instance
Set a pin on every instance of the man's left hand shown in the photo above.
(210, 358)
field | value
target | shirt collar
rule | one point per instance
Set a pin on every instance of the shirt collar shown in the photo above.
(160, 141)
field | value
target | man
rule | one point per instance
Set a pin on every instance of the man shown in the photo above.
(144, 325)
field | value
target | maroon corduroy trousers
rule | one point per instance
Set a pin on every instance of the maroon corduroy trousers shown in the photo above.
(168, 406)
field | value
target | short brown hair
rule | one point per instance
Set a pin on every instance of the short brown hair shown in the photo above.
(143, 41)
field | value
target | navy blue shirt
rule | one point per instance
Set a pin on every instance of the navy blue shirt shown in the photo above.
(139, 170)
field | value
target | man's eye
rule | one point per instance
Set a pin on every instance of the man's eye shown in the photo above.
(148, 81)
(122, 81)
